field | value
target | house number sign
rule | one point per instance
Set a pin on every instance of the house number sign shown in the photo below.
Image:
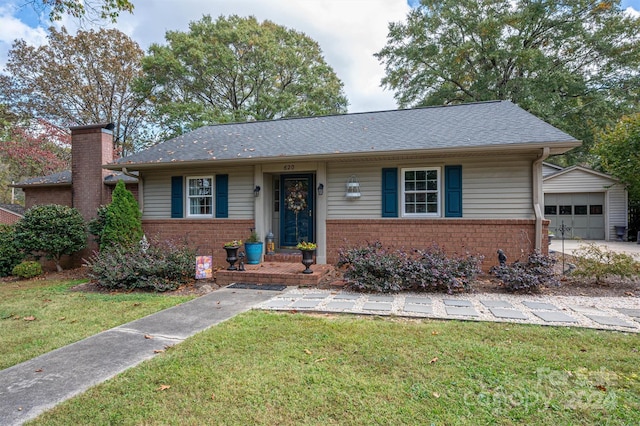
(289, 166)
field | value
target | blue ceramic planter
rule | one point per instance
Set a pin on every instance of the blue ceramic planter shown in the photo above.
(254, 252)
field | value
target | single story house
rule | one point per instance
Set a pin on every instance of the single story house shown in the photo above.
(11, 213)
(592, 205)
(465, 177)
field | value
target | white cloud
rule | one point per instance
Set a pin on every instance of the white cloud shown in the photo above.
(349, 33)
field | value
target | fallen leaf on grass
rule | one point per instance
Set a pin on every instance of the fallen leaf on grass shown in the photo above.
(436, 395)
(30, 318)
(435, 333)
(164, 387)
(601, 387)
(320, 359)
(213, 396)
(307, 351)
(158, 351)
(62, 318)
(433, 360)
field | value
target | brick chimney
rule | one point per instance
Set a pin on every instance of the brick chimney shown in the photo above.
(91, 147)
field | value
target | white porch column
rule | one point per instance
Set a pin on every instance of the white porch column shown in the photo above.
(321, 214)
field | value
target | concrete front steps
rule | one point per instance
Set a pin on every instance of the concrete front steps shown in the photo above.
(275, 272)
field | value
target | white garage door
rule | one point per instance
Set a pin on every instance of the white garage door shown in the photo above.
(582, 212)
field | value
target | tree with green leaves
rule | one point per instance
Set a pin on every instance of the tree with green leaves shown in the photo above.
(574, 63)
(237, 69)
(79, 79)
(618, 151)
(122, 219)
(51, 230)
(86, 9)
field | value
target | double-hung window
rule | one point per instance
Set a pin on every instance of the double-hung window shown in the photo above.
(200, 196)
(421, 192)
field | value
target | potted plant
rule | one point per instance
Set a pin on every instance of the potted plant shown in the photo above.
(232, 253)
(308, 250)
(253, 248)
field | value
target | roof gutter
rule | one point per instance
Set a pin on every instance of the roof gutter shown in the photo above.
(538, 194)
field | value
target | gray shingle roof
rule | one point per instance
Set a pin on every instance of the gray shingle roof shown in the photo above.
(13, 208)
(64, 179)
(484, 124)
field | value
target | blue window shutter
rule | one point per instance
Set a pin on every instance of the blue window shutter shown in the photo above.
(177, 200)
(222, 195)
(453, 191)
(390, 192)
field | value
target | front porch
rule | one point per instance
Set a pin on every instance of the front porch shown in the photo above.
(284, 269)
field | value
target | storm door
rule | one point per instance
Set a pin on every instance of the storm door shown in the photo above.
(296, 213)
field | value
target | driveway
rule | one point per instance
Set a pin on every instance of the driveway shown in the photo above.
(570, 246)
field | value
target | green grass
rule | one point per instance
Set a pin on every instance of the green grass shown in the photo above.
(294, 369)
(63, 316)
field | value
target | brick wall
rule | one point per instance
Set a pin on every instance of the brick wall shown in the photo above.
(206, 236)
(91, 147)
(515, 237)
(47, 195)
(8, 218)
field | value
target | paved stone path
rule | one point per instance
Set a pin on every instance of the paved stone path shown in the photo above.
(602, 313)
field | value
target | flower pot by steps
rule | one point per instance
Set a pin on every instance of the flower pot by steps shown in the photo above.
(254, 252)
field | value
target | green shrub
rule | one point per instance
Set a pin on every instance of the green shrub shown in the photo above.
(51, 230)
(97, 224)
(374, 268)
(594, 261)
(27, 269)
(122, 221)
(527, 276)
(160, 267)
(10, 255)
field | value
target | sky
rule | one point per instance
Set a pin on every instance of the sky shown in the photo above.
(349, 31)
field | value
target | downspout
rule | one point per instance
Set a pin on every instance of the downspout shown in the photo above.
(140, 187)
(538, 194)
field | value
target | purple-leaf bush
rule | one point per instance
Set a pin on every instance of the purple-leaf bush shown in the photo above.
(527, 276)
(377, 269)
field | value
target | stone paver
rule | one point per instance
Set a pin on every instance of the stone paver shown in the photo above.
(508, 313)
(417, 308)
(377, 298)
(277, 303)
(305, 304)
(377, 306)
(586, 309)
(347, 296)
(607, 320)
(420, 300)
(540, 305)
(496, 304)
(315, 296)
(462, 311)
(554, 316)
(631, 312)
(457, 302)
(341, 305)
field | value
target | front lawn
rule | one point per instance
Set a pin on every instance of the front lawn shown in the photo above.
(39, 315)
(293, 369)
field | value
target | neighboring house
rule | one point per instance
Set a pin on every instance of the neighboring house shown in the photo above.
(591, 204)
(466, 177)
(10, 213)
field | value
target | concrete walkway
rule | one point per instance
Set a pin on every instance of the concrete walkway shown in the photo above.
(34, 386)
(618, 246)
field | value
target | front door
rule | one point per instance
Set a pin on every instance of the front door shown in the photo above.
(296, 217)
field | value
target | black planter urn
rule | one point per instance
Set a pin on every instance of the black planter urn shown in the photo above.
(307, 260)
(232, 257)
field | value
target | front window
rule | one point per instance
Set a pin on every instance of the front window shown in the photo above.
(200, 196)
(421, 192)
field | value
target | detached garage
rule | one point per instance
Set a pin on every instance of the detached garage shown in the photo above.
(591, 203)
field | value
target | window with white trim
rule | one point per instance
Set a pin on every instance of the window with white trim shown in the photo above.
(421, 192)
(200, 196)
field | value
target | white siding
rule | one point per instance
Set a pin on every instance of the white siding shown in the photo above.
(157, 191)
(577, 181)
(582, 181)
(491, 188)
